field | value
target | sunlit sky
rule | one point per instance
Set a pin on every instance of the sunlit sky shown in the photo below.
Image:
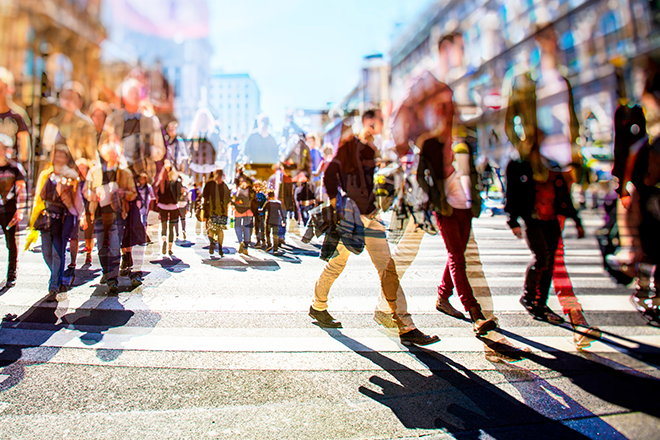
(303, 53)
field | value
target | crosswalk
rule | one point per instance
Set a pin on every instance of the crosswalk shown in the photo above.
(262, 284)
(249, 313)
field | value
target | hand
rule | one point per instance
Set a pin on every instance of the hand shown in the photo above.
(517, 232)
(580, 231)
(83, 222)
(18, 216)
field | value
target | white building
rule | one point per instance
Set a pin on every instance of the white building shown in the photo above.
(235, 99)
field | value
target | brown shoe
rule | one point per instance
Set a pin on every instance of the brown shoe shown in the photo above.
(481, 325)
(444, 306)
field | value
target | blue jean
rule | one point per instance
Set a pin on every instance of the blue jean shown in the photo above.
(53, 248)
(108, 229)
(243, 227)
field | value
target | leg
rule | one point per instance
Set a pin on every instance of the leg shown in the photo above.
(12, 244)
(48, 253)
(455, 232)
(331, 271)
(247, 230)
(379, 252)
(238, 227)
(535, 237)
(73, 247)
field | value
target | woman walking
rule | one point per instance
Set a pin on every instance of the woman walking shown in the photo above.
(58, 205)
(216, 202)
(243, 213)
(167, 188)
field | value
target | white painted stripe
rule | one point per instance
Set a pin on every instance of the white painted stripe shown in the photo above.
(261, 303)
(172, 340)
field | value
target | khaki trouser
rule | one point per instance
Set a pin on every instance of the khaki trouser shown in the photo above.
(379, 251)
(403, 255)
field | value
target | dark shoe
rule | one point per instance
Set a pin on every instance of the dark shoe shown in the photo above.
(170, 253)
(324, 318)
(124, 270)
(88, 259)
(63, 288)
(385, 319)
(11, 280)
(444, 306)
(136, 279)
(541, 312)
(211, 247)
(113, 287)
(416, 337)
(104, 279)
(164, 248)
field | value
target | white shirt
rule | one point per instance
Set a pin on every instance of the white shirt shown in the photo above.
(457, 195)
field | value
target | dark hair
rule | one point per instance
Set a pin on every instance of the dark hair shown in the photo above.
(270, 193)
(449, 37)
(219, 173)
(370, 114)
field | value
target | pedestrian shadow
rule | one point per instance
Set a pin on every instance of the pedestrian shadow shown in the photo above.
(45, 319)
(635, 349)
(172, 264)
(453, 398)
(635, 391)
(85, 275)
(242, 264)
(184, 243)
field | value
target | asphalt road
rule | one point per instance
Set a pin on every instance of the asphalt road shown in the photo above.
(223, 348)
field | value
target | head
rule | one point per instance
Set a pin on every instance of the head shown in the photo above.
(6, 83)
(262, 123)
(130, 94)
(243, 182)
(172, 129)
(61, 155)
(546, 39)
(310, 140)
(83, 167)
(450, 53)
(143, 179)
(71, 96)
(110, 152)
(270, 194)
(98, 112)
(372, 120)
(219, 176)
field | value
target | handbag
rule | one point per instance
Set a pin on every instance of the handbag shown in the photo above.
(42, 223)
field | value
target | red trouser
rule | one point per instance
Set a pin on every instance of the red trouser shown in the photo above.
(455, 231)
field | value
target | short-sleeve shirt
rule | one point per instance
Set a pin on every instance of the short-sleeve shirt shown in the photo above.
(11, 123)
(9, 175)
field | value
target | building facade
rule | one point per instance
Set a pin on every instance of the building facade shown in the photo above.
(169, 37)
(602, 45)
(235, 100)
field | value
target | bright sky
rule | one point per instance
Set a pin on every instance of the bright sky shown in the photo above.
(303, 53)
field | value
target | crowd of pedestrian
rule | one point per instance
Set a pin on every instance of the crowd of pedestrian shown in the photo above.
(110, 172)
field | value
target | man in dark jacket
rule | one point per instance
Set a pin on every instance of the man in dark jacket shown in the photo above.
(352, 171)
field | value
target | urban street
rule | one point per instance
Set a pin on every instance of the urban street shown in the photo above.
(223, 348)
